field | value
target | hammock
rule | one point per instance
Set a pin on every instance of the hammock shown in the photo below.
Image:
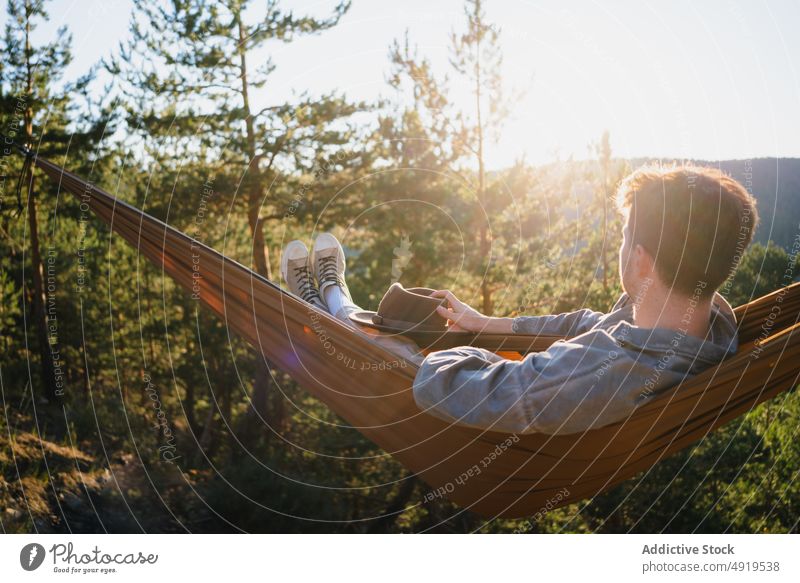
(492, 474)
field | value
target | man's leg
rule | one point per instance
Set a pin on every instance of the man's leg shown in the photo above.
(329, 267)
(339, 303)
(340, 306)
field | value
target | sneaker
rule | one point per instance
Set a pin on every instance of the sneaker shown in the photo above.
(329, 263)
(296, 272)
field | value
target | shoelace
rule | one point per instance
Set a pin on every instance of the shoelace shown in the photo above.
(308, 290)
(329, 272)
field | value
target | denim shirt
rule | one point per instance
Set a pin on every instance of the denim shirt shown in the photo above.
(606, 369)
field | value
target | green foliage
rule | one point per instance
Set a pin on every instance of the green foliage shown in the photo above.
(762, 269)
(401, 190)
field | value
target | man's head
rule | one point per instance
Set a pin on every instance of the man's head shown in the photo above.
(686, 229)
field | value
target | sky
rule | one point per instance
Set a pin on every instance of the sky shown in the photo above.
(682, 79)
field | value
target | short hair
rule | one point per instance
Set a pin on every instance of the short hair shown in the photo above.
(696, 223)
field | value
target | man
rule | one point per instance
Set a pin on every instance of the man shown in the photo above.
(685, 229)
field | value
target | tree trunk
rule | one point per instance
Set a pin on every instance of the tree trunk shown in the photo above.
(393, 510)
(145, 295)
(484, 242)
(604, 151)
(191, 420)
(38, 313)
(207, 437)
(260, 251)
(486, 290)
(484, 245)
(225, 413)
(605, 225)
(38, 303)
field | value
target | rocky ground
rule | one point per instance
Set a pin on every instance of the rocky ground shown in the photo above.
(49, 485)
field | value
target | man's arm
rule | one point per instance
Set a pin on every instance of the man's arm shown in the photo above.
(557, 391)
(567, 324)
(463, 317)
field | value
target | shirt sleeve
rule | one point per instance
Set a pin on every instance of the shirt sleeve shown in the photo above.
(567, 324)
(557, 391)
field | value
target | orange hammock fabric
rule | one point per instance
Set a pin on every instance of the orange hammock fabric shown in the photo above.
(493, 474)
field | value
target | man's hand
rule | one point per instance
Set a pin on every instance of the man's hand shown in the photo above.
(461, 317)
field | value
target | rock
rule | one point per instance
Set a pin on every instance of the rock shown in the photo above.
(14, 513)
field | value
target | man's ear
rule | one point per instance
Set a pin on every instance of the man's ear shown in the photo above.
(644, 264)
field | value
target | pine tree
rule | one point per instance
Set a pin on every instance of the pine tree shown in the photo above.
(477, 57)
(458, 135)
(44, 115)
(189, 74)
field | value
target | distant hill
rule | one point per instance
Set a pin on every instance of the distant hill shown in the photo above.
(775, 182)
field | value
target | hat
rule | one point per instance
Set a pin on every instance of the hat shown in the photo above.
(412, 312)
(409, 311)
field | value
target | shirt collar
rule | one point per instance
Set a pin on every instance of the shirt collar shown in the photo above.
(720, 341)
